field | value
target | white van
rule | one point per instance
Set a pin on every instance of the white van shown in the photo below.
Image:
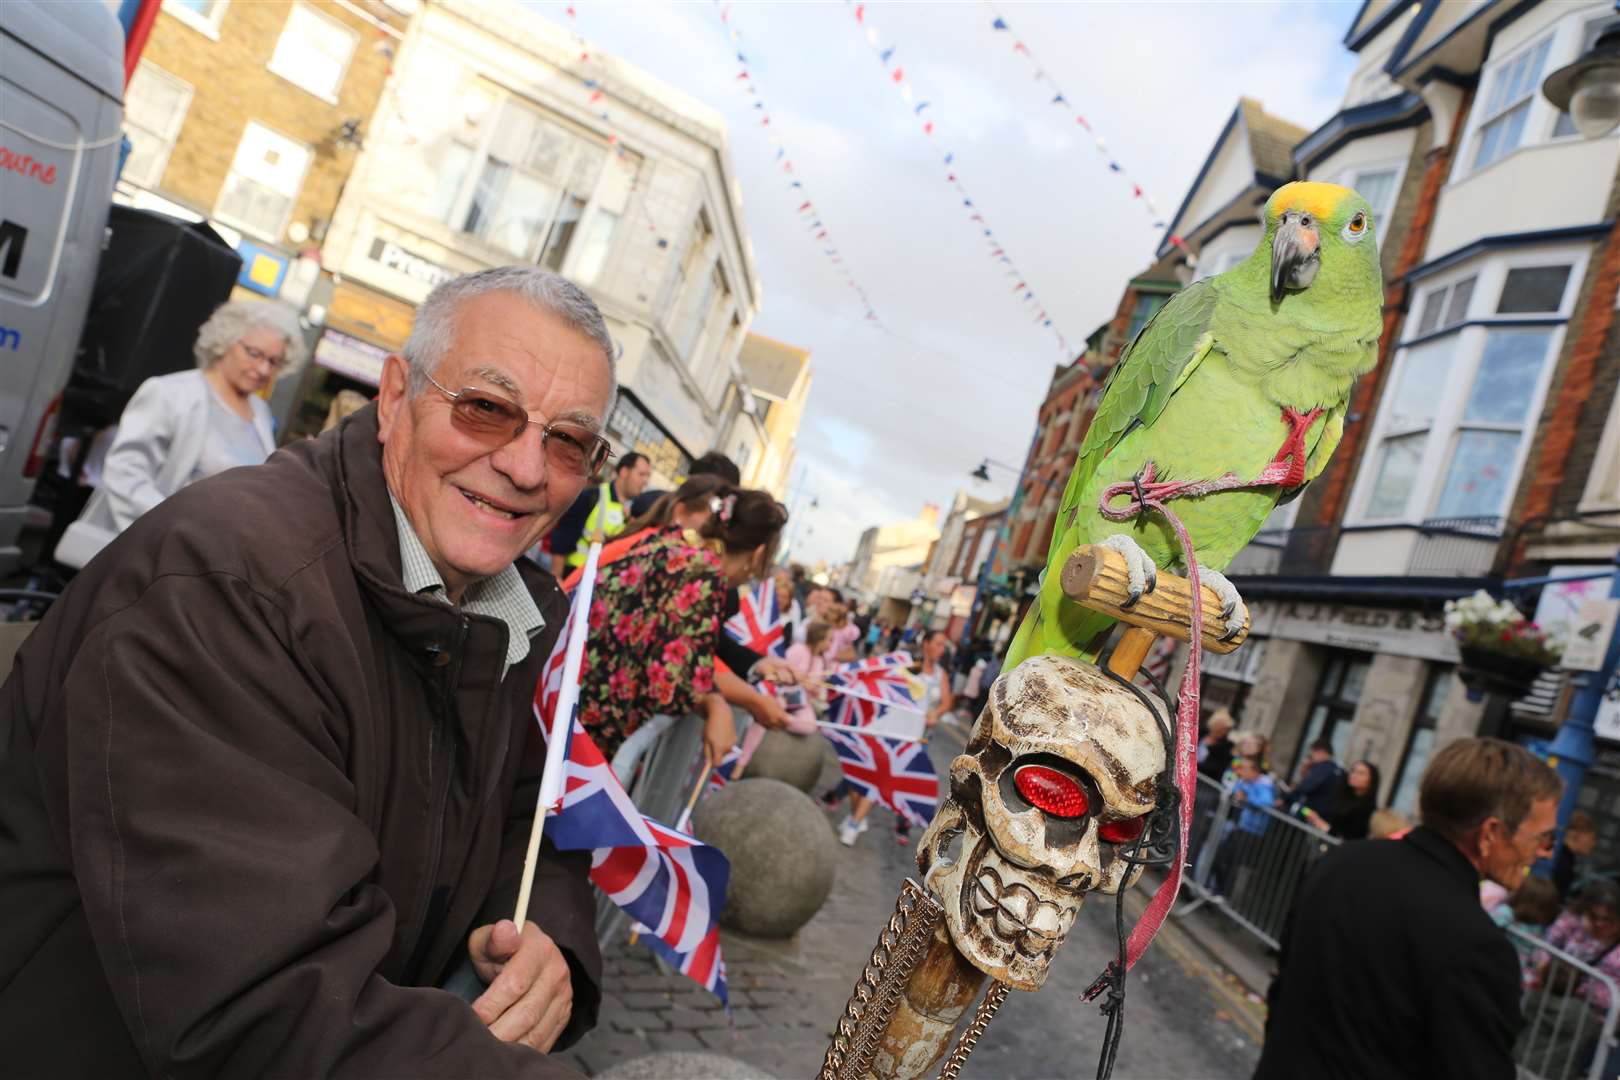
(61, 106)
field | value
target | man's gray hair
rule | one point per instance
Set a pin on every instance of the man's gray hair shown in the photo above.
(231, 320)
(550, 292)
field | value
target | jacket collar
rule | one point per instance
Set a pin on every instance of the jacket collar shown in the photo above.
(1445, 853)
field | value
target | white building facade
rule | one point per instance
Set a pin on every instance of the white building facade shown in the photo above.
(501, 139)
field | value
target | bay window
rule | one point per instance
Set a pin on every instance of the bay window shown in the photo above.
(1467, 387)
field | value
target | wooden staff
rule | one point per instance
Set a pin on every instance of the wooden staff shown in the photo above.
(561, 727)
(910, 1027)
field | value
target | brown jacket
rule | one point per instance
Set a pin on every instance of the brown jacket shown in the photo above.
(254, 796)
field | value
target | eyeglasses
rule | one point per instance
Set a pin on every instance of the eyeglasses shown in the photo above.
(495, 421)
(259, 356)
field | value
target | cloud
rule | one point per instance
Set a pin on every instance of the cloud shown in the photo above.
(898, 419)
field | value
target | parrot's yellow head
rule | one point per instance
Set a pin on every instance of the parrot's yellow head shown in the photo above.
(1314, 228)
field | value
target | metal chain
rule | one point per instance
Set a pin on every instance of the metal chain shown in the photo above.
(970, 1035)
(872, 1003)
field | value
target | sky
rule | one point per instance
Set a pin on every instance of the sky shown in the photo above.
(899, 416)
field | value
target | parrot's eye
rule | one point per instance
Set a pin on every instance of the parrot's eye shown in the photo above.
(1356, 227)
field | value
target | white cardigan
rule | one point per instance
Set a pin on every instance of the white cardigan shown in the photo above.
(160, 440)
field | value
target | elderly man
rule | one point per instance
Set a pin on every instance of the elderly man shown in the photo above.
(269, 764)
(1390, 967)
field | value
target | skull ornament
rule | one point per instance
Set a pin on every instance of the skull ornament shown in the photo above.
(1062, 759)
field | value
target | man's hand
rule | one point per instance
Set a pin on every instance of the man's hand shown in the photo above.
(775, 669)
(530, 991)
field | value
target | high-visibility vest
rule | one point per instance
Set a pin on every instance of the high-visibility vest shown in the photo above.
(607, 515)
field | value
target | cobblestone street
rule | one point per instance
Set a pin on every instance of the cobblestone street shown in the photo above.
(1184, 1017)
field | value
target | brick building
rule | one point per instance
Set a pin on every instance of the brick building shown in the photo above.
(249, 116)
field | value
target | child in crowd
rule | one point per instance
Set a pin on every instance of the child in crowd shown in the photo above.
(1531, 909)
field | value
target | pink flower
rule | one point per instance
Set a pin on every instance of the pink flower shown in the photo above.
(677, 652)
(598, 614)
(622, 685)
(624, 627)
(690, 594)
(703, 679)
(631, 575)
(659, 684)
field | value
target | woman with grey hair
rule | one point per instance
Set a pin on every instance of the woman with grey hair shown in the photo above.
(182, 427)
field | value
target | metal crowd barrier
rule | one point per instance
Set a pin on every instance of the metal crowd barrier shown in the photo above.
(1564, 1038)
(1249, 860)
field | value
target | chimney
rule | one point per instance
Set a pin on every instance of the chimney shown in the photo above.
(930, 514)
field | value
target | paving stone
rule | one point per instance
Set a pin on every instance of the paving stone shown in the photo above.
(645, 1000)
(693, 1020)
(674, 1040)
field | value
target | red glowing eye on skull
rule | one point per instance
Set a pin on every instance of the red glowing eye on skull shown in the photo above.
(1122, 832)
(1051, 791)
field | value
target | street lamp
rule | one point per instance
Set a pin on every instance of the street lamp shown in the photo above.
(1589, 89)
(982, 473)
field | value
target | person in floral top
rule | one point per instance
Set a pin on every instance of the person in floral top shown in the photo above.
(655, 623)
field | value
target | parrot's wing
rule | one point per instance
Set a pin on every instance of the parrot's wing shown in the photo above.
(1153, 366)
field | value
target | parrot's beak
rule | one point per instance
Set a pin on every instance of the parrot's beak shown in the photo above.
(1296, 254)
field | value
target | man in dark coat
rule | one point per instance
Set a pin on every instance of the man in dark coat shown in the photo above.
(1390, 967)
(268, 767)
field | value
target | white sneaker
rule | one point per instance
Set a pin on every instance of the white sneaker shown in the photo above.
(847, 832)
(860, 826)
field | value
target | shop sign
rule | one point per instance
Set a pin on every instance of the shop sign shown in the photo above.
(1607, 722)
(1383, 630)
(403, 261)
(380, 319)
(1242, 665)
(1587, 639)
(263, 270)
(359, 360)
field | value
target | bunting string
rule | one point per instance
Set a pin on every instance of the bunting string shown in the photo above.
(1049, 86)
(924, 112)
(809, 214)
(596, 97)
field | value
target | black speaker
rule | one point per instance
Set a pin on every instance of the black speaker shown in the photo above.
(158, 281)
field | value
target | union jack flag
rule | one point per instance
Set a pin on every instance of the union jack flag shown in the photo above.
(897, 774)
(722, 773)
(665, 880)
(876, 684)
(759, 623)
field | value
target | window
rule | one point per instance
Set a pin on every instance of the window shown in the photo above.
(1452, 428)
(1513, 86)
(203, 16)
(696, 250)
(1589, 35)
(1533, 289)
(525, 190)
(1334, 710)
(263, 183)
(594, 246)
(313, 52)
(1493, 423)
(1377, 186)
(154, 109)
(1420, 742)
(1147, 305)
(1408, 416)
(1445, 306)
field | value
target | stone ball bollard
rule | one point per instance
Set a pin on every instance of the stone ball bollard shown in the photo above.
(782, 854)
(792, 759)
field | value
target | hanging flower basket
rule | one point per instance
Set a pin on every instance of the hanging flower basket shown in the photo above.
(1502, 651)
(1486, 671)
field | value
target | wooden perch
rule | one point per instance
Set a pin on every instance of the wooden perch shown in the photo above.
(1097, 577)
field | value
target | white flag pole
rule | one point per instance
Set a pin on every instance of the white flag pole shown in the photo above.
(869, 731)
(561, 727)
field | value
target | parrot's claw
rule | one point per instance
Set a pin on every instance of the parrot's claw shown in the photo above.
(1142, 575)
(1234, 613)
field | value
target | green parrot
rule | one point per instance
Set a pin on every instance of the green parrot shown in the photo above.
(1217, 383)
